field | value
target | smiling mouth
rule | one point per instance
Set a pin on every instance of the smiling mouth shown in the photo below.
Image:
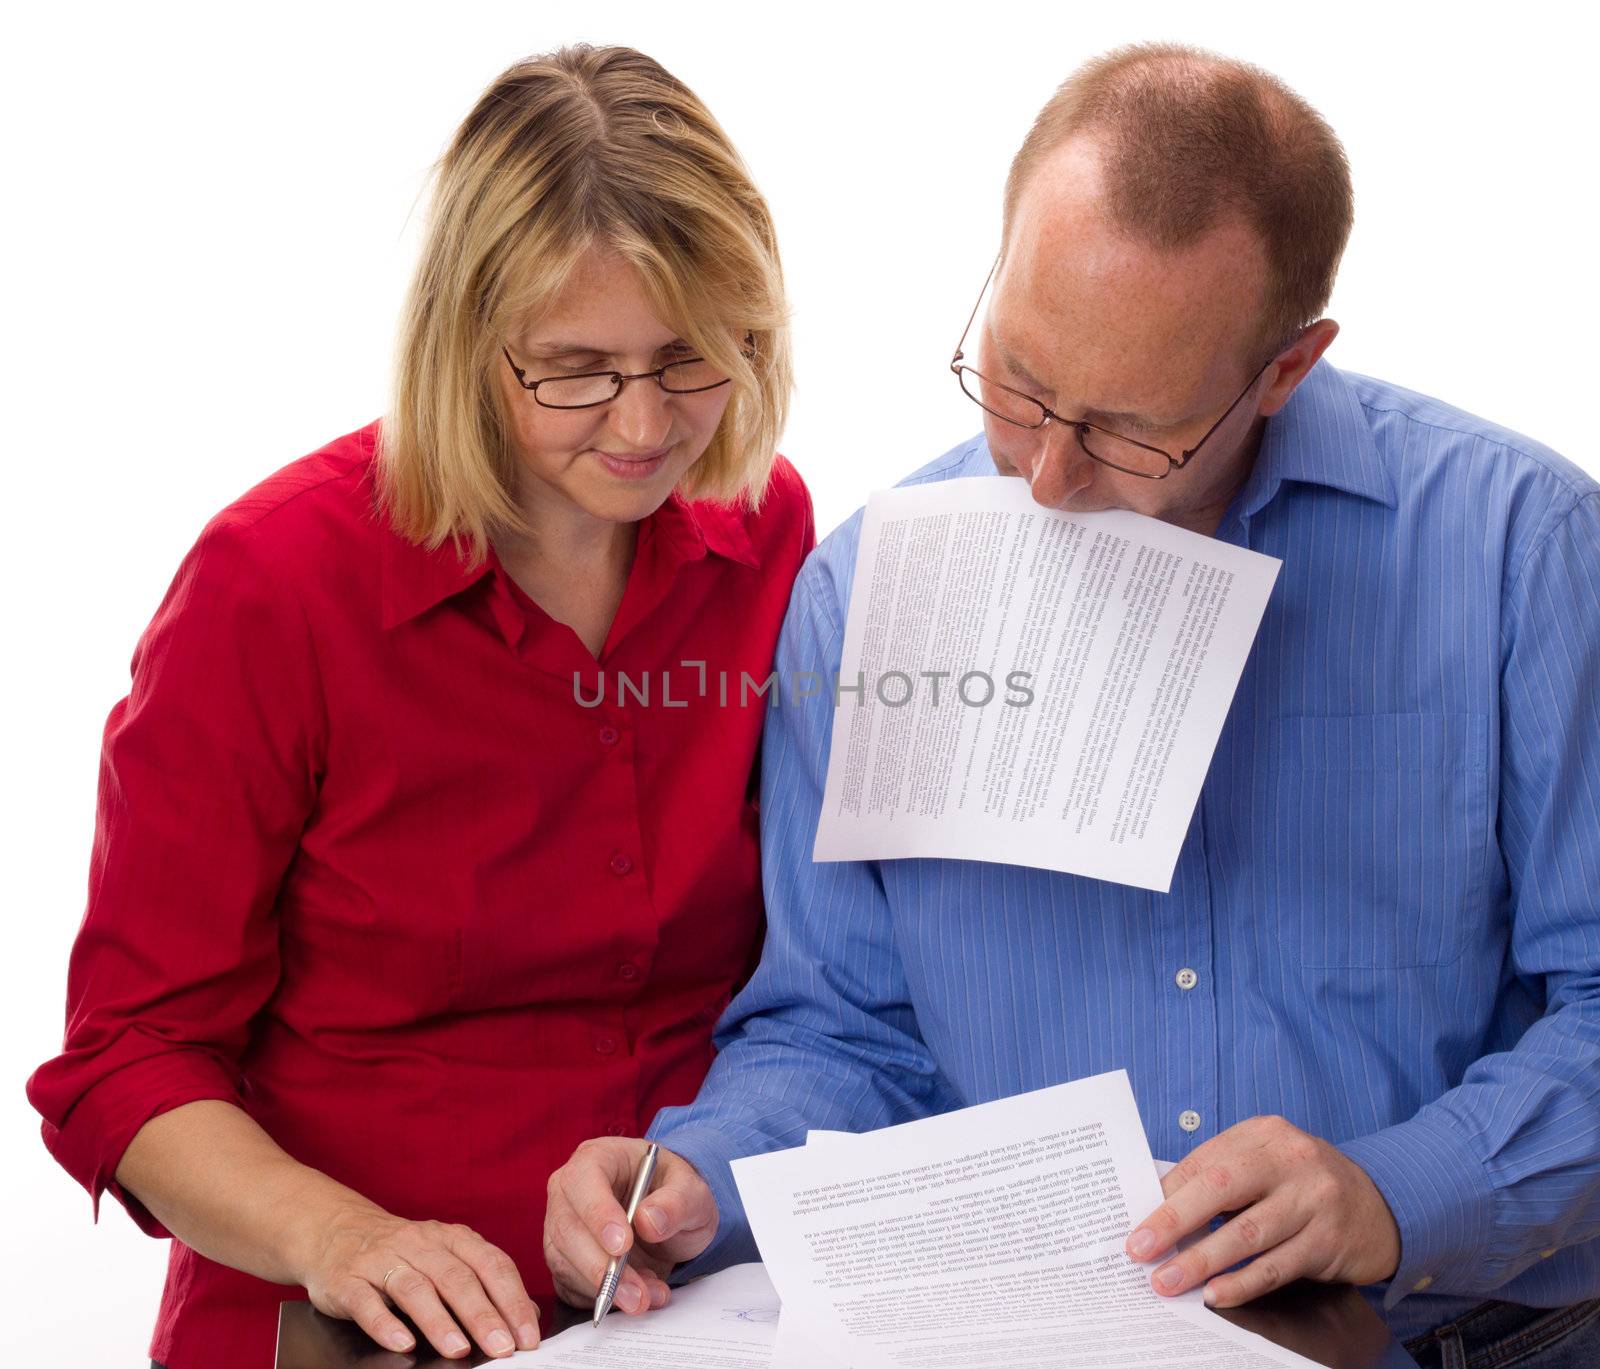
(633, 466)
(638, 458)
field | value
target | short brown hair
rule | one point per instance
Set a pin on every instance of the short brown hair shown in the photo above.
(585, 146)
(1188, 136)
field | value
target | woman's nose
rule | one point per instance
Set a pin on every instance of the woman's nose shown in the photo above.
(640, 415)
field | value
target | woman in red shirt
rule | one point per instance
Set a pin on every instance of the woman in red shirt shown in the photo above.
(426, 841)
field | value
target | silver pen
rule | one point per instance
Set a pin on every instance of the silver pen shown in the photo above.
(641, 1186)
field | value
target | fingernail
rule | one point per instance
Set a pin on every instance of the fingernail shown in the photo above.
(613, 1238)
(1169, 1275)
(654, 1222)
(1210, 1296)
(1143, 1245)
(499, 1343)
(628, 1298)
(527, 1335)
(401, 1340)
(454, 1343)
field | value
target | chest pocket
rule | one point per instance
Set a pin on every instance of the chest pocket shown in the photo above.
(1372, 838)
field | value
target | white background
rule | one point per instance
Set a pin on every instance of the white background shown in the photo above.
(213, 210)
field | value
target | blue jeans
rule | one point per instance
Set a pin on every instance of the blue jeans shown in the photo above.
(1498, 1335)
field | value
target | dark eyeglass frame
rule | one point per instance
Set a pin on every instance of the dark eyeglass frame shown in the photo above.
(1081, 425)
(618, 380)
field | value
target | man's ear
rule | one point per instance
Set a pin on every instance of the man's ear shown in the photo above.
(1294, 363)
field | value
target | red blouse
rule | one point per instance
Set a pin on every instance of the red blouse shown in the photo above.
(366, 866)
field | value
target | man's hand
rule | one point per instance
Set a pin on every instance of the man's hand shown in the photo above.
(1301, 1209)
(585, 1224)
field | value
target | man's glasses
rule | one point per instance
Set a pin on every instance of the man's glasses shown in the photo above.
(589, 390)
(1116, 450)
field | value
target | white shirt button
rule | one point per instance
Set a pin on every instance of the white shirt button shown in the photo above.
(1189, 1119)
(1186, 978)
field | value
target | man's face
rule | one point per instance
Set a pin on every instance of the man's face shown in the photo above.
(1149, 343)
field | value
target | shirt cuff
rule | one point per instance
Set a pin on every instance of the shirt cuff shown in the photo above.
(90, 1142)
(1441, 1200)
(711, 1150)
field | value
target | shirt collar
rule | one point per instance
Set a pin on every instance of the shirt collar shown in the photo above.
(416, 578)
(1320, 437)
(688, 529)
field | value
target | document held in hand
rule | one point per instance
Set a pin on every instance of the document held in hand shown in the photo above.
(1029, 686)
(991, 1236)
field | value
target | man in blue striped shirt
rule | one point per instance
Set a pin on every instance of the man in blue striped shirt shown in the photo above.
(1366, 1018)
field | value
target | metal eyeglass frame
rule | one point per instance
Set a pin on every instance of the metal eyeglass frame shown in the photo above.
(1080, 425)
(618, 380)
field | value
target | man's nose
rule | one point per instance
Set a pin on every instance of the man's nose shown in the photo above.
(1060, 468)
(641, 415)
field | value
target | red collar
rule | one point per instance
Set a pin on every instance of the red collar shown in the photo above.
(416, 579)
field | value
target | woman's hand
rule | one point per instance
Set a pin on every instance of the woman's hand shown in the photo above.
(585, 1225)
(359, 1260)
(221, 1185)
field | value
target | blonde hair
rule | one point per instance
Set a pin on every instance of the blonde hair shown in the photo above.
(1188, 136)
(582, 147)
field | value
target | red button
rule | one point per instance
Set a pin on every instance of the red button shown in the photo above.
(619, 1129)
(621, 863)
(605, 1045)
(628, 970)
(609, 735)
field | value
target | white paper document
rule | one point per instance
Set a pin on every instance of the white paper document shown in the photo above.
(989, 1236)
(1029, 686)
(724, 1321)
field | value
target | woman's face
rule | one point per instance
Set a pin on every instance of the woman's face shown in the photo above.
(619, 461)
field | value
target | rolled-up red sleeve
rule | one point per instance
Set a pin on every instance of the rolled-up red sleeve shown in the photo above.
(208, 773)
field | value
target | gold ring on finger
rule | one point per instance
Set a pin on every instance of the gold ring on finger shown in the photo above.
(384, 1286)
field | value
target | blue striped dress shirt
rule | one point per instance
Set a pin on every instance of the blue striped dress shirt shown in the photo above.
(1384, 924)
